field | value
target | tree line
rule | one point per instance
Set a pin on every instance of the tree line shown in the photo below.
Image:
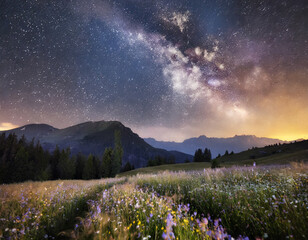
(159, 160)
(205, 156)
(21, 160)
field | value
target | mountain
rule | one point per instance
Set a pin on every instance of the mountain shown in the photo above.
(216, 145)
(94, 137)
(30, 131)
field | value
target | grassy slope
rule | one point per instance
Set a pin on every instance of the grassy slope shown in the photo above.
(280, 154)
(167, 167)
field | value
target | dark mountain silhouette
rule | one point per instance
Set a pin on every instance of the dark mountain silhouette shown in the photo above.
(216, 145)
(30, 131)
(94, 137)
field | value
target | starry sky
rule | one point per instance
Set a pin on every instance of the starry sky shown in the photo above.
(169, 69)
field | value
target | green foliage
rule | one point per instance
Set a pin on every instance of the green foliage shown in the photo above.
(257, 202)
(89, 171)
(127, 167)
(159, 160)
(21, 161)
(116, 164)
(80, 164)
(52, 207)
(96, 165)
(205, 156)
(215, 163)
(253, 202)
(198, 157)
(66, 166)
(21, 164)
(106, 168)
(54, 163)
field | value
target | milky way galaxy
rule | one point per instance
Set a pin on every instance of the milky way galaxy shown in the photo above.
(168, 69)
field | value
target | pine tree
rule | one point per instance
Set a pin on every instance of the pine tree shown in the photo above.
(39, 162)
(207, 155)
(20, 165)
(97, 172)
(198, 157)
(89, 171)
(127, 167)
(54, 163)
(80, 164)
(117, 153)
(66, 165)
(215, 163)
(106, 167)
(3, 167)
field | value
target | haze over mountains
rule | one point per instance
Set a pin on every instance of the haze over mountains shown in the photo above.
(216, 145)
(94, 137)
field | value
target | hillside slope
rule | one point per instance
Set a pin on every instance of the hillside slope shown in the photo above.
(270, 155)
(94, 137)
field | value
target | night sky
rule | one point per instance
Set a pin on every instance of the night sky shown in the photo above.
(168, 69)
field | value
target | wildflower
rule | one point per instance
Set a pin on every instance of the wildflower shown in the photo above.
(203, 224)
(216, 223)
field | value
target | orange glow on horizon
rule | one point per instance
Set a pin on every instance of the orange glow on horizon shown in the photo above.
(290, 137)
(7, 126)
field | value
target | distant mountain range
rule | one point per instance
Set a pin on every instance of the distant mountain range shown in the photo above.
(94, 137)
(216, 145)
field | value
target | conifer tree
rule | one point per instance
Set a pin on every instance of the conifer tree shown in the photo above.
(207, 155)
(198, 157)
(66, 165)
(54, 163)
(106, 168)
(89, 171)
(80, 164)
(20, 165)
(117, 153)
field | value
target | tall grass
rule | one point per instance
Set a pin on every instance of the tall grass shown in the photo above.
(255, 202)
(38, 210)
(259, 203)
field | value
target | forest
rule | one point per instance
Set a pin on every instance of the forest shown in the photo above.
(21, 160)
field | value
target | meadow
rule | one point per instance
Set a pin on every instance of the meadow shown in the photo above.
(265, 202)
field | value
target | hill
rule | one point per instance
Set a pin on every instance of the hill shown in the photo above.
(37, 131)
(269, 155)
(94, 137)
(216, 145)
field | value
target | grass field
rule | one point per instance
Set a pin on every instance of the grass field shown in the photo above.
(266, 202)
(241, 159)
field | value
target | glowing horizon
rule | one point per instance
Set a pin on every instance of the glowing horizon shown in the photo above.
(177, 137)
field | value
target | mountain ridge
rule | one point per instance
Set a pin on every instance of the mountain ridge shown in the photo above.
(237, 143)
(93, 137)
